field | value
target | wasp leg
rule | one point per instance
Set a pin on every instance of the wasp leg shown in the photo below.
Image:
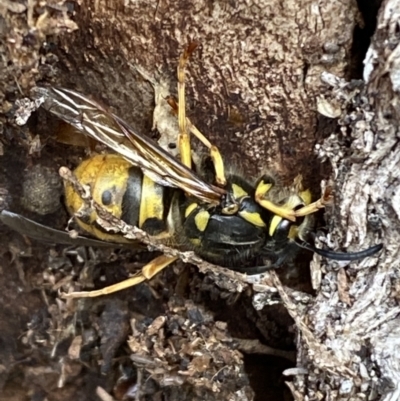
(148, 272)
(184, 138)
(185, 124)
(215, 154)
(263, 187)
(313, 207)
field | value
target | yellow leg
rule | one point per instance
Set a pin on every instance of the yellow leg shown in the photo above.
(325, 199)
(288, 213)
(261, 191)
(184, 138)
(215, 154)
(148, 271)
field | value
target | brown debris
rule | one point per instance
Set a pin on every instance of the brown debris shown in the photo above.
(113, 330)
(74, 349)
(185, 346)
(255, 347)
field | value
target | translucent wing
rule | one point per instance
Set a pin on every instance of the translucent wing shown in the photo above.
(43, 233)
(98, 123)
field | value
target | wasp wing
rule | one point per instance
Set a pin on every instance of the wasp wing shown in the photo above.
(40, 232)
(97, 122)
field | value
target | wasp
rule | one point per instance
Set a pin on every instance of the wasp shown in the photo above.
(229, 222)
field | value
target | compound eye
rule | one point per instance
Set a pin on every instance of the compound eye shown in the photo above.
(106, 197)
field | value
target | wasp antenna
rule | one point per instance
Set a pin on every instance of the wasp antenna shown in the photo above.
(341, 255)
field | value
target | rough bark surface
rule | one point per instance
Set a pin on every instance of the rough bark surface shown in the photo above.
(350, 342)
(252, 84)
(254, 88)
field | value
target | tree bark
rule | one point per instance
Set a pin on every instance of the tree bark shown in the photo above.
(264, 72)
(350, 343)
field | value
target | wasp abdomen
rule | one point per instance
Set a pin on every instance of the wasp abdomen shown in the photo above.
(122, 190)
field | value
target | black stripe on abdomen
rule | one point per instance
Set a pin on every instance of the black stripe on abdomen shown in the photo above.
(132, 197)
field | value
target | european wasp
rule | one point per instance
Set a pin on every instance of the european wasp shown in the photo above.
(230, 222)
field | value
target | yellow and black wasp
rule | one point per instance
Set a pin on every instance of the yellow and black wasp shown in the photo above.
(229, 223)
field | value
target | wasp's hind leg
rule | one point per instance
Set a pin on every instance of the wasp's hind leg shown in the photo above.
(148, 272)
(185, 124)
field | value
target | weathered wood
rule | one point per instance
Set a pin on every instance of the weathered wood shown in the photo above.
(349, 333)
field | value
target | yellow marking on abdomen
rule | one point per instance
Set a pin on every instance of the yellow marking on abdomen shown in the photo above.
(151, 205)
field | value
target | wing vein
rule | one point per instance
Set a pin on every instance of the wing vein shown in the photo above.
(94, 120)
